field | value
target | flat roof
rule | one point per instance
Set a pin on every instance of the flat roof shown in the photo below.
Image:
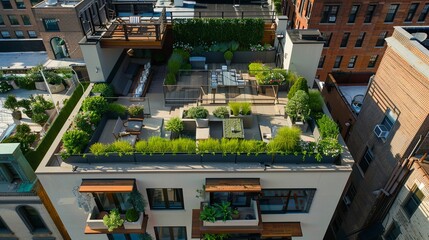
(305, 36)
(420, 33)
(349, 92)
(21, 60)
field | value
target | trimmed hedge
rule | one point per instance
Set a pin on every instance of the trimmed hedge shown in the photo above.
(245, 31)
(36, 156)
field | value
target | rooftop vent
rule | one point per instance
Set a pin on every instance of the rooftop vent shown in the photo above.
(357, 103)
(420, 36)
(51, 2)
(309, 35)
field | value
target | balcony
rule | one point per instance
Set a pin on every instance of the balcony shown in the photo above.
(95, 225)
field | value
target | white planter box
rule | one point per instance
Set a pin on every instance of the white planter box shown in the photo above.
(40, 86)
(134, 225)
(95, 223)
(56, 88)
(238, 222)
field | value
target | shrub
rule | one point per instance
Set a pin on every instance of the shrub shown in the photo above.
(300, 84)
(228, 55)
(285, 140)
(221, 112)
(328, 128)
(45, 104)
(329, 147)
(298, 107)
(98, 149)
(209, 146)
(255, 67)
(53, 78)
(11, 103)
(113, 220)
(135, 110)
(235, 108)
(26, 104)
(170, 79)
(104, 89)
(141, 146)
(183, 54)
(24, 82)
(121, 147)
(183, 145)
(174, 63)
(175, 125)
(246, 108)
(158, 145)
(131, 215)
(5, 87)
(87, 121)
(75, 141)
(97, 104)
(197, 112)
(118, 109)
(233, 46)
(230, 146)
(24, 136)
(252, 146)
(40, 118)
(315, 101)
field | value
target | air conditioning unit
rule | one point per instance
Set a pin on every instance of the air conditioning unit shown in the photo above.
(346, 200)
(381, 131)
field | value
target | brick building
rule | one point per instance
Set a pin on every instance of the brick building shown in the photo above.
(17, 20)
(354, 30)
(391, 125)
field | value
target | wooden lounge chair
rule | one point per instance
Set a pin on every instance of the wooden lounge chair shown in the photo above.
(120, 134)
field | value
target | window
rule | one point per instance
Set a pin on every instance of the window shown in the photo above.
(13, 20)
(389, 119)
(51, 24)
(278, 201)
(329, 14)
(393, 231)
(369, 13)
(366, 160)
(4, 229)
(170, 233)
(372, 61)
(338, 60)
(391, 12)
(19, 34)
(321, 62)
(352, 62)
(353, 13)
(120, 236)
(32, 34)
(345, 39)
(380, 40)
(412, 203)
(32, 219)
(301, 6)
(237, 199)
(20, 4)
(309, 8)
(26, 19)
(359, 40)
(4, 34)
(107, 201)
(411, 12)
(165, 198)
(424, 13)
(1, 20)
(327, 37)
(6, 4)
(350, 194)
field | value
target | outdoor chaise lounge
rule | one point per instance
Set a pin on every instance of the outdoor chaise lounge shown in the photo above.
(120, 133)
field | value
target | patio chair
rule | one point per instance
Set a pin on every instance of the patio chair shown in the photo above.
(120, 134)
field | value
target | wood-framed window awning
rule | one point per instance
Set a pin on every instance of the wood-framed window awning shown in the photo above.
(281, 229)
(233, 185)
(107, 185)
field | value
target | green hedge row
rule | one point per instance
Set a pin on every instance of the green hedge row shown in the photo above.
(36, 156)
(194, 31)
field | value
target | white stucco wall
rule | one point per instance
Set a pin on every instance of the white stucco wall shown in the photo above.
(329, 184)
(99, 61)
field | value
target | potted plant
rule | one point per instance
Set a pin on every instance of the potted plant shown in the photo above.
(133, 219)
(12, 104)
(228, 55)
(235, 214)
(175, 125)
(26, 104)
(209, 214)
(136, 111)
(113, 220)
(221, 112)
(298, 109)
(200, 115)
(55, 82)
(224, 209)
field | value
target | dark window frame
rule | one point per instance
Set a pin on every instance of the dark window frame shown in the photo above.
(338, 60)
(13, 20)
(20, 5)
(310, 197)
(345, 39)
(26, 20)
(411, 12)
(18, 35)
(2, 23)
(391, 13)
(167, 205)
(353, 13)
(423, 13)
(366, 160)
(380, 39)
(6, 4)
(360, 39)
(321, 61)
(393, 231)
(328, 12)
(327, 38)
(157, 230)
(369, 13)
(413, 198)
(5, 31)
(352, 61)
(308, 10)
(24, 214)
(351, 192)
(372, 61)
(51, 24)
(4, 228)
(30, 35)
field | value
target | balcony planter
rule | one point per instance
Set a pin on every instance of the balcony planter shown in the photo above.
(300, 159)
(95, 220)
(243, 221)
(260, 158)
(217, 158)
(242, 56)
(134, 225)
(168, 158)
(40, 86)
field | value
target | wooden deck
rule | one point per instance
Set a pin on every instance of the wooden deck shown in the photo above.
(281, 229)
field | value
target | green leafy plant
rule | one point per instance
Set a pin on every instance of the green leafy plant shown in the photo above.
(210, 145)
(42, 102)
(40, 118)
(174, 63)
(215, 236)
(113, 220)
(98, 149)
(235, 108)
(121, 147)
(256, 68)
(53, 78)
(170, 79)
(230, 146)
(117, 109)
(328, 128)
(26, 104)
(24, 82)
(137, 201)
(11, 103)
(5, 87)
(87, 121)
(97, 104)
(228, 55)
(225, 210)
(24, 136)
(141, 146)
(175, 125)
(300, 84)
(285, 141)
(158, 145)
(233, 46)
(221, 112)
(246, 108)
(315, 101)
(210, 214)
(298, 107)
(131, 215)
(183, 145)
(135, 110)
(197, 112)
(252, 147)
(75, 140)
(104, 89)
(329, 147)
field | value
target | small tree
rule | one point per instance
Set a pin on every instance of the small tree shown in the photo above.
(11, 103)
(300, 84)
(315, 101)
(298, 107)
